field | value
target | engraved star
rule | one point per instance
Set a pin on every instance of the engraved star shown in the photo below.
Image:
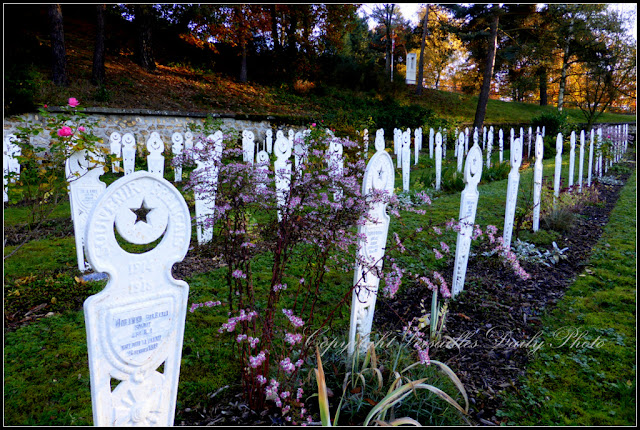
(141, 213)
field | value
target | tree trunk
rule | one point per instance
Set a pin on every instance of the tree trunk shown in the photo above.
(59, 55)
(291, 40)
(563, 76)
(544, 101)
(483, 99)
(243, 65)
(97, 74)
(144, 45)
(421, 61)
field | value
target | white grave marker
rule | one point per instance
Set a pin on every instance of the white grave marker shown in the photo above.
(128, 153)
(155, 160)
(336, 164)
(431, 136)
(512, 191)
(406, 159)
(282, 168)
(438, 160)
(11, 164)
(529, 147)
(500, 146)
(177, 145)
(537, 182)
(572, 156)
(269, 141)
(467, 216)
(248, 146)
(85, 188)
(188, 141)
(460, 151)
(206, 175)
(136, 323)
(379, 175)
(590, 167)
(417, 142)
(115, 146)
(558, 168)
(581, 161)
(262, 165)
(489, 146)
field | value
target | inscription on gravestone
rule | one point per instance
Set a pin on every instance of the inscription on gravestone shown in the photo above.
(155, 160)
(115, 145)
(136, 323)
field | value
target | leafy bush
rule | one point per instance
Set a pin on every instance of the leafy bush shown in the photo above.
(554, 122)
(21, 83)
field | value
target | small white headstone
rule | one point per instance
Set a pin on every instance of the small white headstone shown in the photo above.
(177, 145)
(581, 161)
(282, 168)
(489, 146)
(431, 136)
(269, 141)
(11, 164)
(590, 167)
(128, 153)
(298, 151)
(467, 216)
(460, 151)
(188, 141)
(466, 140)
(85, 188)
(572, 157)
(397, 145)
(406, 159)
(417, 142)
(444, 143)
(365, 140)
(500, 146)
(529, 147)
(262, 165)
(484, 138)
(379, 175)
(537, 182)
(599, 152)
(115, 146)
(558, 168)
(155, 160)
(206, 176)
(248, 146)
(512, 191)
(136, 323)
(336, 164)
(438, 160)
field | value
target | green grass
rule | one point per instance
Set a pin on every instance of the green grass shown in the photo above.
(592, 380)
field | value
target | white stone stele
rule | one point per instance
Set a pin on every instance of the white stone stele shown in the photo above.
(543, 131)
(572, 157)
(581, 161)
(397, 145)
(467, 216)
(282, 168)
(406, 159)
(137, 322)
(11, 164)
(590, 166)
(537, 181)
(484, 137)
(188, 141)
(599, 152)
(558, 168)
(269, 141)
(379, 175)
(438, 160)
(431, 137)
(262, 166)
(177, 146)
(298, 151)
(155, 160)
(529, 147)
(512, 191)
(460, 151)
(128, 153)
(206, 174)
(417, 142)
(85, 188)
(248, 146)
(336, 164)
(444, 143)
(115, 146)
(489, 146)
(365, 140)
(501, 145)
(466, 140)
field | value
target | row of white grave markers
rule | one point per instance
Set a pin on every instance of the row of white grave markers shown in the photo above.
(10, 164)
(136, 323)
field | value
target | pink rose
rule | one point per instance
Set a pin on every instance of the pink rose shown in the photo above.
(73, 102)
(65, 131)
(313, 125)
(46, 106)
(81, 128)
